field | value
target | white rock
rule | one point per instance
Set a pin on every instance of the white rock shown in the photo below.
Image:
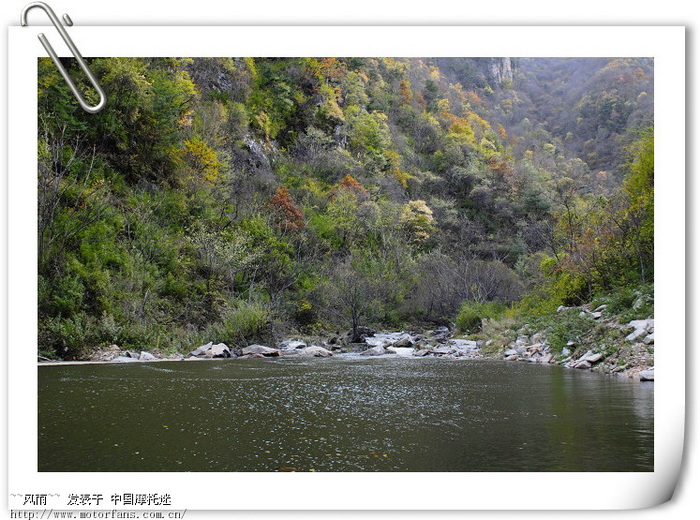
(401, 351)
(538, 337)
(594, 358)
(146, 356)
(404, 342)
(647, 325)
(124, 359)
(646, 375)
(636, 335)
(463, 344)
(378, 342)
(219, 350)
(374, 351)
(641, 301)
(316, 351)
(292, 344)
(649, 339)
(201, 350)
(262, 350)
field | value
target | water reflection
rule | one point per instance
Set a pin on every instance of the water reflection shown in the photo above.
(341, 414)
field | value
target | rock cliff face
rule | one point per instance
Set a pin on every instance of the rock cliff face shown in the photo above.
(501, 70)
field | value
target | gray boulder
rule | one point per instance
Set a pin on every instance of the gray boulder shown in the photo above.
(124, 359)
(106, 354)
(251, 356)
(261, 350)
(404, 342)
(464, 344)
(636, 335)
(315, 351)
(356, 347)
(594, 358)
(647, 325)
(292, 344)
(401, 351)
(439, 334)
(538, 337)
(521, 349)
(219, 351)
(374, 351)
(646, 375)
(641, 300)
(201, 350)
(146, 356)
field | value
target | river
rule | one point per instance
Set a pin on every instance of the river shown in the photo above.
(344, 413)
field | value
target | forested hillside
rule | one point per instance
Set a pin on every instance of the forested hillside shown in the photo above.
(239, 199)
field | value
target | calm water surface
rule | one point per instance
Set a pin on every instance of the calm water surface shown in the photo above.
(341, 414)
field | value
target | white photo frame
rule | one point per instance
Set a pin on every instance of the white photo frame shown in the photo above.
(476, 491)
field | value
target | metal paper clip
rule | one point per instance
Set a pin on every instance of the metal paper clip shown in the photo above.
(73, 49)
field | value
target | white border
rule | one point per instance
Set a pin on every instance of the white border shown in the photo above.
(371, 491)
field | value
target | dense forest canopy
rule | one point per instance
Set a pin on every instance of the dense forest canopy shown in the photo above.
(237, 199)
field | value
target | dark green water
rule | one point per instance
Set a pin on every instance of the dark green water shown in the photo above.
(341, 414)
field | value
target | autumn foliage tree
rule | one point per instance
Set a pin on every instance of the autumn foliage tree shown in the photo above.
(287, 216)
(213, 197)
(349, 184)
(609, 240)
(199, 161)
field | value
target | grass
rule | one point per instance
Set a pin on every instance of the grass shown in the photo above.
(560, 328)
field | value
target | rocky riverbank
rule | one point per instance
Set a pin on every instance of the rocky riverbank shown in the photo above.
(607, 346)
(625, 349)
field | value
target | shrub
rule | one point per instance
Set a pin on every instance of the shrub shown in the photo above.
(472, 313)
(246, 321)
(566, 326)
(631, 303)
(69, 338)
